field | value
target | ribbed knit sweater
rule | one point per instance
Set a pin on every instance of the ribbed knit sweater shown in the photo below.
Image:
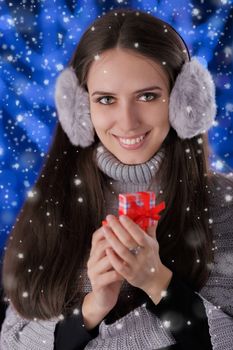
(180, 318)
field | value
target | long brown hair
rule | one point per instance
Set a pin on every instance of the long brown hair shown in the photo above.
(52, 234)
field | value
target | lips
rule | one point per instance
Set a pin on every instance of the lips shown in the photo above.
(132, 146)
(131, 137)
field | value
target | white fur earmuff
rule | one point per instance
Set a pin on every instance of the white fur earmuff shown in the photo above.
(73, 108)
(192, 106)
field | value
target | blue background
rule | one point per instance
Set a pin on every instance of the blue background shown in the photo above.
(37, 39)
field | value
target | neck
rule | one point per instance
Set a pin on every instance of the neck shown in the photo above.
(135, 174)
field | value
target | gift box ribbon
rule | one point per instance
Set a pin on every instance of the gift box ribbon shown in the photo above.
(145, 215)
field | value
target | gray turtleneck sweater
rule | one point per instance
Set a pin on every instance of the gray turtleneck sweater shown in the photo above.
(205, 314)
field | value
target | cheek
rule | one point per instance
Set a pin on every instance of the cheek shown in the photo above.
(100, 119)
(164, 107)
(159, 115)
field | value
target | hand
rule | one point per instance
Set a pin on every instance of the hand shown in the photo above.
(144, 270)
(105, 281)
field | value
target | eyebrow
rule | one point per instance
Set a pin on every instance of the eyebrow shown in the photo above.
(141, 90)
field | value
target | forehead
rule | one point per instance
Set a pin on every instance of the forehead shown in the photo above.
(117, 67)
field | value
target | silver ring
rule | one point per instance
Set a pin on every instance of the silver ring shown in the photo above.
(136, 250)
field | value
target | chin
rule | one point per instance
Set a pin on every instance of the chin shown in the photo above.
(133, 161)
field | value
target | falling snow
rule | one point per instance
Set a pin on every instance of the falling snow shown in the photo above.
(36, 45)
(76, 311)
(77, 182)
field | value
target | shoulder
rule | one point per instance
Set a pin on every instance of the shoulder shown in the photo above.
(220, 190)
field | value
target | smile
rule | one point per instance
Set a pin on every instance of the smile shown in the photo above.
(132, 143)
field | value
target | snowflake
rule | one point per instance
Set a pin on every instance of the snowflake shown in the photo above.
(76, 311)
(219, 165)
(167, 324)
(31, 194)
(19, 118)
(59, 66)
(96, 57)
(100, 149)
(163, 293)
(119, 326)
(195, 12)
(16, 166)
(229, 107)
(228, 198)
(77, 182)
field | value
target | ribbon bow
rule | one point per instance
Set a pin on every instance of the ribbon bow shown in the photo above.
(143, 215)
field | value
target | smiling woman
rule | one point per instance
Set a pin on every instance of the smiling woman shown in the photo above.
(133, 114)
(126, 118)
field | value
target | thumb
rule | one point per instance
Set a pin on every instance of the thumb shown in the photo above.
(151, 230)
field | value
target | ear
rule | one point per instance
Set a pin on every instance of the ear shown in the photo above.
(151, 230)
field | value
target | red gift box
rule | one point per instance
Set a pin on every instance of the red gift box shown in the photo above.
(140, 207)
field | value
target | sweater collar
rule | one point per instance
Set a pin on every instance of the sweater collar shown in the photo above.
(136, 174)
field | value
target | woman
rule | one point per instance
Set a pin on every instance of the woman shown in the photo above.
(133, 110)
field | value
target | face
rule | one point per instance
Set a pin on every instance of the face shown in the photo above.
(129, 97)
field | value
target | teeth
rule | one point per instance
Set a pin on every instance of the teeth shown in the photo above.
(132, 141)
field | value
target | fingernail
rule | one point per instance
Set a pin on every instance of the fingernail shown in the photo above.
(123, 218)
(109, 217)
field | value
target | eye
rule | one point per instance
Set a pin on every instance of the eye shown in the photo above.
(151, 94)
(104, 98)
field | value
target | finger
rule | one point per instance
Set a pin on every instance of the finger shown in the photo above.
(98, 251)
(119, 266)
(134, 230)
(97, 236)
(151, 230)
(103, 265)
(121, 231)
(108, 278)
(119, 248)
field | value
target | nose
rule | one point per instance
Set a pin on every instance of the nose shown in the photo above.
(129, 118)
